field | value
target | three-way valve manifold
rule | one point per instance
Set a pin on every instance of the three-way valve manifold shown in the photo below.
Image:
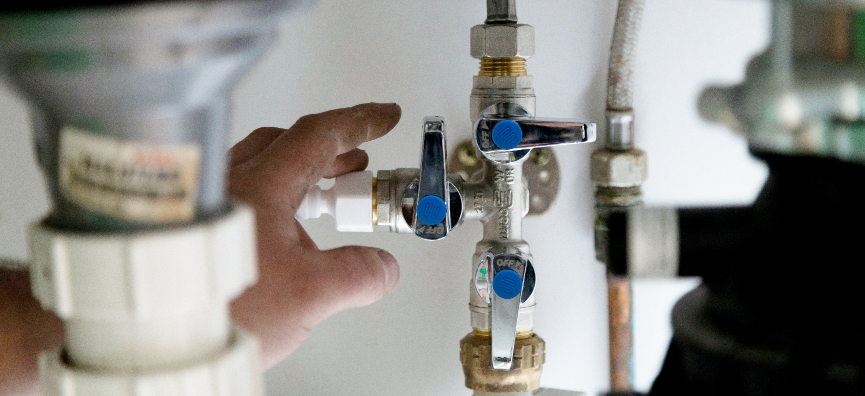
(504, 134)
(429, 202)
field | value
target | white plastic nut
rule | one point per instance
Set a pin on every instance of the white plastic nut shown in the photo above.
(233, 372)
(143, 275)
(349, 201)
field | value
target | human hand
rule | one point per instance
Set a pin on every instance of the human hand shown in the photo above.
(272, 169)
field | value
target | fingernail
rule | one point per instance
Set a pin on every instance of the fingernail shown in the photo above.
(391, 269)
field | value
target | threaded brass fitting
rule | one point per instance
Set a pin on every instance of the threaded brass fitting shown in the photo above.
(618, 197)
(374, 202)
(485, 333)
(524, 375)
(503, 67)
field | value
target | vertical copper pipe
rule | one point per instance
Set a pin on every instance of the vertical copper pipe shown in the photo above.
(621, 339)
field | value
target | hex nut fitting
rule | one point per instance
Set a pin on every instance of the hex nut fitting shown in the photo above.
(389, 209)
(502, 41)
(610, 168)
(524, 375)
(519, 83)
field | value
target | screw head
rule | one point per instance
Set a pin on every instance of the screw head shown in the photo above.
(507, 134)
(431, 210)
(507, 284)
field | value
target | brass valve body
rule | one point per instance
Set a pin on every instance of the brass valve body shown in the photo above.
(524, 375)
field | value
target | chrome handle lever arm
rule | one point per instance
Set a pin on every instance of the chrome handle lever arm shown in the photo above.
(504, 130)
(432, 214)
(508, 275)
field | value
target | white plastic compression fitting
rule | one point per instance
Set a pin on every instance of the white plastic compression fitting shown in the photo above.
(147, 313)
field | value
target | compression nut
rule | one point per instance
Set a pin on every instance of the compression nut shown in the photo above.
(525, 372)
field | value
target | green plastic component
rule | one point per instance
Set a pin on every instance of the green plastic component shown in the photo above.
(41, 28)
(40, 25)
(57, 62)
(859, 35)
(856, 135)
(91, 124)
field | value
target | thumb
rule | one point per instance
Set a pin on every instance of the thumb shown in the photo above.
(352, 276)
(292, 296)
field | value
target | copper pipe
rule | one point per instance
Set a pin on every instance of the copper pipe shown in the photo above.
(621, 339)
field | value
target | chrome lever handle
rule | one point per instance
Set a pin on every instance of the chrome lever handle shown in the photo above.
(507, 127)
(504, 135)
(432, 214)
(508, 273)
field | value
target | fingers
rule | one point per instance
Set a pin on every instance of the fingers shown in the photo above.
(253, 144)
(299, 158)
(293, 296)
(25, 330)
(345, 128)
(352, 161)
(299, 286)
(351, 277)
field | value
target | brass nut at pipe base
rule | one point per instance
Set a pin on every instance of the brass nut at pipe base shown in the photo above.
(524, 375)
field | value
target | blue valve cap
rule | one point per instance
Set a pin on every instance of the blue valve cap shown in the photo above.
(507, 284)
(431, 210)
(507, 134)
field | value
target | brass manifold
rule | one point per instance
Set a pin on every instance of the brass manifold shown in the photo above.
(503, 67)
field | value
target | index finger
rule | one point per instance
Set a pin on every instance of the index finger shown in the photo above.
(298, 158)
(348, 127)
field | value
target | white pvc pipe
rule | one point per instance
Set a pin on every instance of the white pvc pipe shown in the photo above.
(168, 340)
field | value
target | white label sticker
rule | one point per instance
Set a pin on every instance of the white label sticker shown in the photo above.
(141, 182)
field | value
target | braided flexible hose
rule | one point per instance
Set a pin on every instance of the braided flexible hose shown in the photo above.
(623, 55)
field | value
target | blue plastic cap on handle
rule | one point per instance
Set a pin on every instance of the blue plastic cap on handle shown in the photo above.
(507, 134)
(507, 284)
(431, 210)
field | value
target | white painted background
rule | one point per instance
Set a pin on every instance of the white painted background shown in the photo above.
(416, 53)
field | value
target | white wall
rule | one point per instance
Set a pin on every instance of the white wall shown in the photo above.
(416, 53)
